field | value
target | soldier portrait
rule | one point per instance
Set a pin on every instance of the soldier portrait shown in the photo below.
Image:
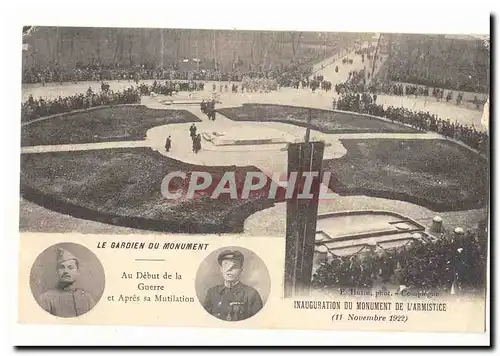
(67, 280)
(233, 284)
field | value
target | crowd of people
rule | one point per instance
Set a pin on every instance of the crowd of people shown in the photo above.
(251, 81)
(168, 87)
(252, 85)
(208, 108)
(399, 89)
(459, 65)
(56, 73)
(355, 97)
(355, 83)
(365, 103)
(449, 264)
(317, 82)
(35, 108)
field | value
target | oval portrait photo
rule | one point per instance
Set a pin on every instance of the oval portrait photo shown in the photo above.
(67, 280)
(232, 283)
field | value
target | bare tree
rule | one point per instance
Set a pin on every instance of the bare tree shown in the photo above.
(252, 48)
(98, 46)
(269, 47)
(281, 41)
(130, 38)
(118, 45)
(48, 43)
(143, 45)
(177, 41)
(72, 43)
(295, 37)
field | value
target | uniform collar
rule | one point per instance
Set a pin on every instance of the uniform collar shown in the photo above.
(66, 288)
(236, 287)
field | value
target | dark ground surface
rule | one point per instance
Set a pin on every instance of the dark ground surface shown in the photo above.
(322, 120)
(119, 123)
(123, 187)
(437, 174)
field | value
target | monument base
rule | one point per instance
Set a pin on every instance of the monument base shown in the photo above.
(248, 136)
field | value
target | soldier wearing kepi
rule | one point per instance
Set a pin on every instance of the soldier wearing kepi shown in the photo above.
(65, 300)
(232, 300)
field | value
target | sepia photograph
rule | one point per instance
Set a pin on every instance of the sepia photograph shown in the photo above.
(67, 280)
(255, 178)
(142, 130)
(233, 284)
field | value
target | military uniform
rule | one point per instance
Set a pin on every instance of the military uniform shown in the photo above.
(66, 301)
(238, 302)
(232, 303)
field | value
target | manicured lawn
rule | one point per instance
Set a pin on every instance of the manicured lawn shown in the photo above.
(123, 187)
(322, 120)
(437, 174)
(119, 123)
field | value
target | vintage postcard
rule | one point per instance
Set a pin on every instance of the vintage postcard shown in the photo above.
(254, 179)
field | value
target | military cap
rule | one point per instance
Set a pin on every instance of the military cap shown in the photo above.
(63, 255)
(231, 255)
